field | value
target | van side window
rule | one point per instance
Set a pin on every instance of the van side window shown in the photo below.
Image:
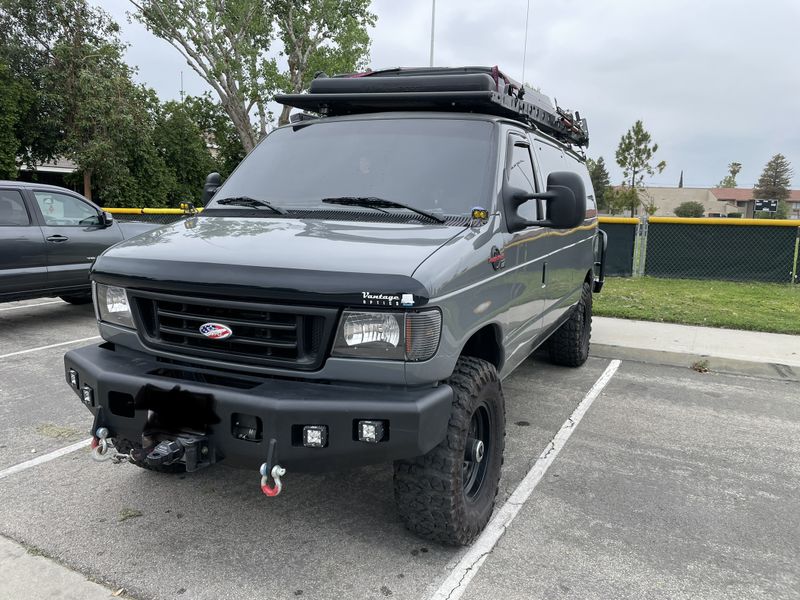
(520, 175)
(12, 209)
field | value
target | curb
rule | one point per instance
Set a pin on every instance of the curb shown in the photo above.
(713, 363)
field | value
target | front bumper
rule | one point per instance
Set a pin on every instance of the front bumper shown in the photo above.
(132, 390)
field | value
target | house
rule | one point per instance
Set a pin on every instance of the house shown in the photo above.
(743, 199)
(56, 172)
(717, 202)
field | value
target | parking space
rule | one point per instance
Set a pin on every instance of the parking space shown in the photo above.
(675, 484)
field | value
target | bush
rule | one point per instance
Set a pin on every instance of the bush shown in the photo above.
(735, 215)
(690, 209)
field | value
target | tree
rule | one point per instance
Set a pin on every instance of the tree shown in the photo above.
(617, 199)
(600, 180)
(321, 36)
(182, 146)
(217, 131)
(634, 155)
(227, 44)
(773, 184)
(12, 101)
(95, 114)
(690, 209)
(729, 181)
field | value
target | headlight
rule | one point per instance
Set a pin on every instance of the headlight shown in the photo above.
(412, 336)
(112, 305)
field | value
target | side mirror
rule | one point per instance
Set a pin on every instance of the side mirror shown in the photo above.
(213, 181)
(566, 203)
(106, 218)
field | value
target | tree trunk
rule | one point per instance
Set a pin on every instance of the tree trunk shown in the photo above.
(87, 184)
(284, 118)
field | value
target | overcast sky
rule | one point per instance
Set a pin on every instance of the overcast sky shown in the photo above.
(714, 81)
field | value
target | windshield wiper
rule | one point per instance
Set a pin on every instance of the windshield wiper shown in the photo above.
(378, 204)
(253, 203)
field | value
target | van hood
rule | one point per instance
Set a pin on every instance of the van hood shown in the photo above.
(277, 258)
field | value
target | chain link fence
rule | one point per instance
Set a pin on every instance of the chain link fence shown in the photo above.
(726, 249)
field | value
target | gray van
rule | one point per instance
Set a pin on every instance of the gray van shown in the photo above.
(355, 293)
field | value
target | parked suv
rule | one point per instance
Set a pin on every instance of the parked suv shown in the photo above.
(355, 293)
(49, 237)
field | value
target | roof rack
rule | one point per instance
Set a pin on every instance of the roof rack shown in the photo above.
(485, 90)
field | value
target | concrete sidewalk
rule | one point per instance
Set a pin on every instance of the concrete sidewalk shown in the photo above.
(26, 575)
(646, 338)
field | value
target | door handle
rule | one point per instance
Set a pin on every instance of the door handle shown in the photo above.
(57, 238)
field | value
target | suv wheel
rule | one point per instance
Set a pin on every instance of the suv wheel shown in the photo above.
(77, 298)
(124, 446)
(448, 494)
(569, 345)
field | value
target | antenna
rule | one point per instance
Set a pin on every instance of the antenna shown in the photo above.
(433, 26)
(525, 46)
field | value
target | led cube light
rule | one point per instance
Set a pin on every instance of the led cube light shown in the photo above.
(87, 395)
(315, 436)
(370, 431)
(73, 378)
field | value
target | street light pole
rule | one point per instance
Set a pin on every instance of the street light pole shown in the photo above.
(525, 46)
(433, 26)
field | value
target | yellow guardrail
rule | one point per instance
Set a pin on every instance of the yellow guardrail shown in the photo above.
(149, 211)
(624, 220)
(726, 221)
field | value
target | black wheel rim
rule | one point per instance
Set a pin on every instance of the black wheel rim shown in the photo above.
(474, 472)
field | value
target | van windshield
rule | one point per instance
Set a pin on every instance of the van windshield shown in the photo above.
(443, 166)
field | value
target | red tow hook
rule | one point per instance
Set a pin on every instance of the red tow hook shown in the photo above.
(276, 473)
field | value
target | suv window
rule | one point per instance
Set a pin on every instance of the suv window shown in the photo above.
(12, 209)
(444, 166)
(520, 175)
(64, 210)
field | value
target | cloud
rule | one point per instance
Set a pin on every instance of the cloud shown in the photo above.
(714, 81)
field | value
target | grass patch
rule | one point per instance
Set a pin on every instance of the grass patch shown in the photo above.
(771, 307)
(57, 432)
(129, 513)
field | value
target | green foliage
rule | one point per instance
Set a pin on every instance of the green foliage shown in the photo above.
(181, 145)
(217, 131)
(734, 215)
(600, 180)
(775, 179)
(634, 155)
(690, 209)
(617, 199)
(11, 105)
(729, 181)
(228, 44)
(321, 36)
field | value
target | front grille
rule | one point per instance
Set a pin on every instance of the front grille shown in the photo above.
(263, 334)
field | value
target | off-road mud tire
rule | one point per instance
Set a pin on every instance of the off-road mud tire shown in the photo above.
(429, 490)
(569, 345)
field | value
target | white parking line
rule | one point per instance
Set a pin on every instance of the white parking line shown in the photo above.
(29, 305)
(456, 583)
(44, 458)
(88, 339)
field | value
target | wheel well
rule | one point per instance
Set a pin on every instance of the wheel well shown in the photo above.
(485, 344)
(589, 276)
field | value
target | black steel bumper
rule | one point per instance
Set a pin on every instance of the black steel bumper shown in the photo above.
(129, 387)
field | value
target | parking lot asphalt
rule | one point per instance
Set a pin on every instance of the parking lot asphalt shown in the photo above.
(675, 484)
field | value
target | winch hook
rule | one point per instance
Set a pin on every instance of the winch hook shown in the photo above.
(100, 445)
(276, 473)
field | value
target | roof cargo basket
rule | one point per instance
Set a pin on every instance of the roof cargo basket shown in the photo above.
(485, 90)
